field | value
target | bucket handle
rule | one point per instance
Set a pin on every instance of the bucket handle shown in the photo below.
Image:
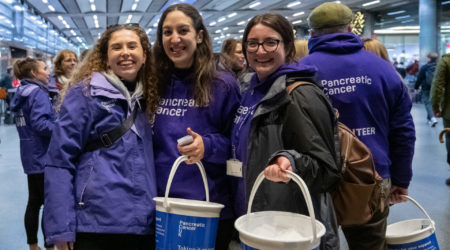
(421, 208)
(304, 190)
(175, 166)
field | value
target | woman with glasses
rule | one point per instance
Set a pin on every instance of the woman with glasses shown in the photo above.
(196, 100)
(99, 182)
(274, 131)
(35, 120)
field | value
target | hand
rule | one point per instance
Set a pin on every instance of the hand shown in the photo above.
(64, 246)
(395, 196)
(195, 151)
(437, 112)
(276, 171)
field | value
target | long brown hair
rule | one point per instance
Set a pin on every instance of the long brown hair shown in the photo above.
(23, 68)
(278, 23)
(203, 63)
(96, 61)
(375, 46)
(57, 63)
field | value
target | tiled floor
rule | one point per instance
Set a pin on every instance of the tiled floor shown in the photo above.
(427, 187)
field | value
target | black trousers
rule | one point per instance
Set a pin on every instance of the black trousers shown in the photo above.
(224, 233)
(96, 241)
(35, 201)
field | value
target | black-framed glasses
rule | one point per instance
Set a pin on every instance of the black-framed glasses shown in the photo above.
(268, 45)
(122, 25)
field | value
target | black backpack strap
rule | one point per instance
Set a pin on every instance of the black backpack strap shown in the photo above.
(107, 139)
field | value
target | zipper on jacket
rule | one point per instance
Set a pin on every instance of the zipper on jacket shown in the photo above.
(81, 203)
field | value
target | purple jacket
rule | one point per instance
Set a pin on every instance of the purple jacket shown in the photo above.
(109, 190)
(371, 99)
(179, 111)
(35, 120)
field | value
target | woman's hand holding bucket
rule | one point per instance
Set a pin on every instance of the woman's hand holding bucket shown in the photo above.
(276, 171)
(195, 150)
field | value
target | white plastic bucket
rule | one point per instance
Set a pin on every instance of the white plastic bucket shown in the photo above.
(183, 223)
(412, 234)
(279, 230)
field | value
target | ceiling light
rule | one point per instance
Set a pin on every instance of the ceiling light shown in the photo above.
(408, 21)
(45, 1)
(241, 31)
(51, 8)
(216, 38)
(228, 35)
(32, 17)
(445, 2)
(402, 17)
(149, 30)
(293, 4)
(253, 5)
(212, 23)
(67, 26)
(95, 17)
(337, 1)
(91, 1)
(60, 18)
(18, 8)
(371, 3)
(134, 7)
(226, 28)
(241, 23)
(218, 31)
(299, 13)
(232, 14)
(396, 12)
(298, 21)
(155, 25)
(93, 7)
(73, 32)
(221, 19)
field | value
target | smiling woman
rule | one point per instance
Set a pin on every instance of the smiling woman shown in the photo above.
(91, 181)
(185, 70)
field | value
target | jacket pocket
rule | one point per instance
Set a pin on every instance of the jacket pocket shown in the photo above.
(82, 197)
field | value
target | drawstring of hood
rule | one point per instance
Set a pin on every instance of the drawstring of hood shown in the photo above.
(119, 85)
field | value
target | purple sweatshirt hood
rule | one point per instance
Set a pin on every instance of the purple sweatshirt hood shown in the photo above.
(337, 43)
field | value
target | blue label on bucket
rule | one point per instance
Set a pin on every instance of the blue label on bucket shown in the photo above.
(429, 243)
(246, 247)
(181, 232)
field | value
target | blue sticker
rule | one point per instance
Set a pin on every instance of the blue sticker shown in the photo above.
(181, 232)
(429, 243)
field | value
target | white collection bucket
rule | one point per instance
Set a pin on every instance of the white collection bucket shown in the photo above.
(412, 234)
(279, 230)
(183, 223)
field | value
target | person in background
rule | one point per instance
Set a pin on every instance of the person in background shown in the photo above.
(63, 66)
(424, 81)
(5, 85)
(99, 191)
(196, 100)
(35, 120)
(440, 98)
(232, 49)
(288, 132)
(373, 102)
(374, 46)
(301, 49)
(413, 68)
(84, 54)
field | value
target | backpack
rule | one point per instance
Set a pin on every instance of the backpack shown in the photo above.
(357, 195)
(429, 73)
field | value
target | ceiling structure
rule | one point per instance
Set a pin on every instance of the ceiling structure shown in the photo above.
(83, 21)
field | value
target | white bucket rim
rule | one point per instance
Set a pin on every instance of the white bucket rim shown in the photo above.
(319, 233)
(429, 228)
(179, 202)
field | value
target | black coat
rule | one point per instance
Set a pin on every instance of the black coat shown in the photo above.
(301, 126)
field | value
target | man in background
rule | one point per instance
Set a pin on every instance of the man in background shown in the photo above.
(424, 80)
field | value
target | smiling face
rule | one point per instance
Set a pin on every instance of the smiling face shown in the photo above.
(41, 72)
(265, 63)
(125, 54)
(180, 39)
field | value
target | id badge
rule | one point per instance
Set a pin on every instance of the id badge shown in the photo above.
(234, 168)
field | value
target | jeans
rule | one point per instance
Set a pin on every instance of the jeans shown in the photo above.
(427, 103)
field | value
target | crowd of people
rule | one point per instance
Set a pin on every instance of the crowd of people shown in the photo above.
(98, 136)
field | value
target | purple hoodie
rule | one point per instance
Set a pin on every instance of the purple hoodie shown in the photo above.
(241, 129)
(177, 112)
(371, 99)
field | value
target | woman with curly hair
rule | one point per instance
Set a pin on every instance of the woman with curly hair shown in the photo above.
(99, 184)
(194, 97)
